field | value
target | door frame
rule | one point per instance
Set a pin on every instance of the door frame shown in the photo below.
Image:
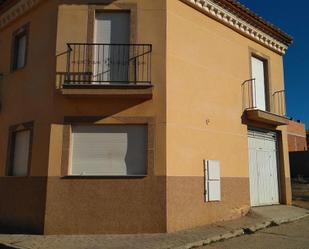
(267, 75)
(119, 7)
(94, 35)
(111, 11)
(279, 159)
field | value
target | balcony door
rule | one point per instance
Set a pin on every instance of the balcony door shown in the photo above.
(259, 86)
(112, 36)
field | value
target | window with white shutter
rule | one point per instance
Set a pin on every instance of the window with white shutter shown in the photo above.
(212, 180)
(20, 153)
(109, 150)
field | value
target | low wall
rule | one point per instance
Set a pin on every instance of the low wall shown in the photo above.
(299, 164)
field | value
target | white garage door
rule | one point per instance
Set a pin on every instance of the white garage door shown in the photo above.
(109, 150)
(263, 167)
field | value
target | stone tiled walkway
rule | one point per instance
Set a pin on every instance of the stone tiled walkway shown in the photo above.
(258, 219)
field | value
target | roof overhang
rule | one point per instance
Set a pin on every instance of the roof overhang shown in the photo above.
(229, 12)
(236, 16)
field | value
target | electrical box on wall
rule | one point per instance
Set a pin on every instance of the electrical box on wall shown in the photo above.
(212, 180)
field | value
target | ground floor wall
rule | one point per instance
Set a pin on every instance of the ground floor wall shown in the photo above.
(105, 206)
(146, 204)
(187, 207)
(22, 204)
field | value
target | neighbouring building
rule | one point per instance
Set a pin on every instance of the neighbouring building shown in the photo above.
(307, 135)
(138, 116)
(297, 137)
(298, 150)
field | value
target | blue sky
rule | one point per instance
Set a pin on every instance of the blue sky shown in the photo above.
(293, 19)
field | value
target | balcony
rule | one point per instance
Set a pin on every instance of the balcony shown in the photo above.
(108, 69)
(258, 107)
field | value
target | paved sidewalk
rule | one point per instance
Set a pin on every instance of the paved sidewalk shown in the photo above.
(258, 218)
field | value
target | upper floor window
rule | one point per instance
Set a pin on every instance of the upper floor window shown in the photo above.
(19, 48)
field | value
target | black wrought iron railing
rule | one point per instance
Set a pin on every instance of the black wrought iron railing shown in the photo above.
(279, 102)
(249, 94)
(108, 64)
(276, 104)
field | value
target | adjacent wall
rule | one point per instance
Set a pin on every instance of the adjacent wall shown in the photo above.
(206, 65)
(45, 201)
(27, 96)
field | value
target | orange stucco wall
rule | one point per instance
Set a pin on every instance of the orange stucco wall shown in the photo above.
(206, 65)
(33, 94)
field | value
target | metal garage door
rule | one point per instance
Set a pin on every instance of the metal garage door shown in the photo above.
(263, 167)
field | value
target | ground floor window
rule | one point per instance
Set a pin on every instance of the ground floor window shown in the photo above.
(20, 146)
(108, 150)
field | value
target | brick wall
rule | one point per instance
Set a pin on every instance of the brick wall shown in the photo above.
(297, 136)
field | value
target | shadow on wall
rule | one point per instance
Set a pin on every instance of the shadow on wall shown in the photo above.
(299, 164)
(22, 205)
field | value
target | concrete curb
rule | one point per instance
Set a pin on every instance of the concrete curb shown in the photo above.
(11, 246)
(283, 221)
(239, 232)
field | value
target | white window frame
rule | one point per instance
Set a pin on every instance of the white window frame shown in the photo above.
(23, 32)
(10, 162)
(71, 149)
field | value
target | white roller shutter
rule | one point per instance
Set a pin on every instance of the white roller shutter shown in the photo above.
(21, 153)
(109, 150)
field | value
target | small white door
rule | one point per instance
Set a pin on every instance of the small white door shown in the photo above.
(263, 168)
(112, 33)
(258, 90)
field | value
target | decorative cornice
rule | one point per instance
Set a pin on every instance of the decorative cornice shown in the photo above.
(234, 21)
(16, 11)
(209, 7)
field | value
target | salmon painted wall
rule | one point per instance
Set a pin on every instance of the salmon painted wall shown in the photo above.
(27, 93)
(33, 94)
(135, 195)
(206, 64)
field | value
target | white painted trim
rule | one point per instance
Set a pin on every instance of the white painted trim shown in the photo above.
(230, 19)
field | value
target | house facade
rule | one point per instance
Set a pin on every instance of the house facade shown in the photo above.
(138, 116)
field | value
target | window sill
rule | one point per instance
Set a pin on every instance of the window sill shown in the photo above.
(16, 70)
(104, 177)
